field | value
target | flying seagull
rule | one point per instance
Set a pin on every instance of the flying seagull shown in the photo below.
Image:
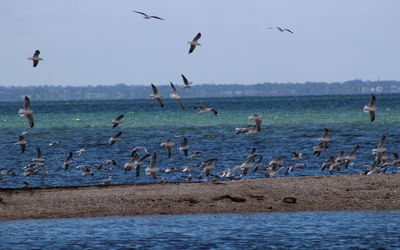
(156, 96)
(114, 138)
(281, 29)
(118, 120)
(194, 43)
(176, 96)
(27, 111)
(203, 109)
(152, 169)
(168, 146)
(186, 83)
(145, 16)
(371, 108)
(68, 161)
(35, 58)
(184, 148)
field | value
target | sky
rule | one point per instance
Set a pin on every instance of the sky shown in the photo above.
(99, 42)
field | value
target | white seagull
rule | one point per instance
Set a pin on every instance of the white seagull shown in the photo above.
(68, 161)
(118, 120)
(145, 16)
(152, 169)
(203, 109)
(156, 96)
(114, 138)
(175, 95)
(168, 146)
(184, 147)
(186, 83)
(371, 108)
(27, 111)
(35, 58)
(194, 43)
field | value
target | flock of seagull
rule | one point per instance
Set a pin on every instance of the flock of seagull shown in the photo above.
(254, 161)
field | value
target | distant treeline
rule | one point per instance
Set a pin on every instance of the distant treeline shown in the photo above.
(123, 91)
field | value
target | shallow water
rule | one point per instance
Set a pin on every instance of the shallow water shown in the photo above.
(301, 230)
(289, 124)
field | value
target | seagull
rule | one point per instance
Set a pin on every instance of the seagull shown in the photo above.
(80, 151)
(106, 162)
(297, 156)
(35, 58)
(184, 147)
(203, 109)
(379, 150)
(27, 111)
(68, 161)
(176, 96)
(108, 181)
(54, 143)
(251, 129)
(351, 156)
(139, 163)
(208, 166)
(114, 138)
(85, 170)
(325, 136)
(196, 154)
(277, 163)
(186, 83)
(293, 167)
(156, 96)
(371, 108)
(394, 162)
(145, 16)
(118, 120)
(22, 142)
(194, 43)
(152, 169)
(168, 146)
(40, 161)
(281, 29)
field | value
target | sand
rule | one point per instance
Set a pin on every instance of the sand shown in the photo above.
(321, 193)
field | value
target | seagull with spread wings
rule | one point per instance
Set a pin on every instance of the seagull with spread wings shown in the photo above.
(27, 111)
(35, 58)
(203, 109)
(194, 43)
(186, 83)
(175, 95)
(281, 29)
(371, 108)
(156, 96)
(145, 16)
(118, 120)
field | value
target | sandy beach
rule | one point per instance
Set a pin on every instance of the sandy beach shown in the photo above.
(321, 193)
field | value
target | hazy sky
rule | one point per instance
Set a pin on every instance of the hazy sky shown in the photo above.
(91, 42)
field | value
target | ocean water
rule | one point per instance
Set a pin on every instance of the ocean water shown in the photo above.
(289, 124)
(300, 230)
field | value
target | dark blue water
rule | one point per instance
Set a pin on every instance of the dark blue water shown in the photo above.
(305, 230)
(289, 124)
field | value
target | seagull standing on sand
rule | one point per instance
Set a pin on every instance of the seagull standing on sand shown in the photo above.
(281, 29)
(118, 120)
(175, 95)
(168, 146)
(156, 96)
(27, 111)
(203, 109)
(35, 58)
(145, 16)
(186, 83)
(194, 43)
(114, 138)
(371, 108)
(22, 143)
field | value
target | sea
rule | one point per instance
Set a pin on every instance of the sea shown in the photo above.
(289, 124)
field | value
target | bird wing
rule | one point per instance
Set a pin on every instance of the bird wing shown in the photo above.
(181, 103)
(173, 88)
(197, 37)
(160, 102)
(27, 103)
(35, 62)
(201, 107)
(372, 115)
(119, 117)
(117, 134)
(144, 14)
(156, 17)
(382, 141)
(23, 146)
(192, 48)
(69, 157)
(326, 132)
(185, 81)
(153, 162)
(372, 101)
(169, 151)
(155, 90)
(288, 30)
(38, 152)
(214, 111)
(30, 120)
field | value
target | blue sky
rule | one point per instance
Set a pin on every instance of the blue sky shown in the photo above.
(102, 42)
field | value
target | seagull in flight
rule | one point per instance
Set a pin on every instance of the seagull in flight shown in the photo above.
(184, 148)
(168, 146)
(281, 29)
(186, 83)
(118, 120)
(203, 109)
(194, 43)
(27, 111)
(152, 169)
(22, 142)
(371, 108)
(175, 95)
(35, 58)
(156, 96)
(114, 138)
(145, 16)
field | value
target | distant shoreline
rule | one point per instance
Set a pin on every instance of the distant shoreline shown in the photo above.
(317, 193)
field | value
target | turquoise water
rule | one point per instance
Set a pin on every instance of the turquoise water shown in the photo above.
(304, 230)
(289, 124)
